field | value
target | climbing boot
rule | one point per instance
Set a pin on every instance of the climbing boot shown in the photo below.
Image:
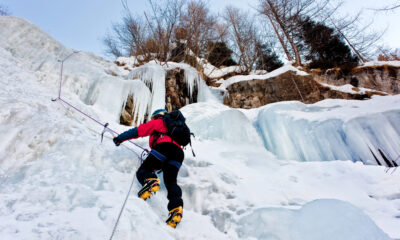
(174, 217)
(150, 186)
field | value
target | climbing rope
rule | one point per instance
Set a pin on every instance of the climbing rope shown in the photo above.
(105, 125)
(144, 153)
(122, 208)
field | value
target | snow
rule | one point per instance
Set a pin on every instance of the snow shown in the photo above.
(381, 63)
(288, 67)
(128, 62)
(57, 181)
(348, 88)
(328, 219)
(214, 72)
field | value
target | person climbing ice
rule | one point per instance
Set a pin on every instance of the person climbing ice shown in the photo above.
(168, 133)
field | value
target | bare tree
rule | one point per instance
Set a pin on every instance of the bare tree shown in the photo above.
(129, 37)
(112, 46)
(284, 16)
(200, 27)
(357, 33)
(4, 11)
(243, 35)
(149, 36)
(163, 22)
(388, 54)
(393, 6)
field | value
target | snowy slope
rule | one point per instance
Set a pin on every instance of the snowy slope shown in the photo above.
(57, 181)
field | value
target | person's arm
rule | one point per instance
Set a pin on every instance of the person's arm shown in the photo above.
(143, 130)
(130, 134)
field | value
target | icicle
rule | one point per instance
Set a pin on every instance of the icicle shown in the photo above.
(141, 100)
(153, 75)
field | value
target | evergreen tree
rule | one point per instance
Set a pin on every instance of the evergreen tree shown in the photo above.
(326, 49)
(267, 59)
(220, 54)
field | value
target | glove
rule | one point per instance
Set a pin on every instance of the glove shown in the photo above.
(117, 141)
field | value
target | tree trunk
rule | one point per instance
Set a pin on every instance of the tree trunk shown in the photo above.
(284, 30)
(288, 55)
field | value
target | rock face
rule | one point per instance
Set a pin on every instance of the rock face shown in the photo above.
(285, 87)
(382, 78)
(177, 91)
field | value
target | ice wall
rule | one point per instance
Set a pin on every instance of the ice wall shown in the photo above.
(333, 129)
(213, 121)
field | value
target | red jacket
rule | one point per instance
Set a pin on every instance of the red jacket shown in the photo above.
(156, 129)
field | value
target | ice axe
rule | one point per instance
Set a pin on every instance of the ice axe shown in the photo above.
(106, 129)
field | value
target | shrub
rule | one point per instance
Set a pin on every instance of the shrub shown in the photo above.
(219, 54)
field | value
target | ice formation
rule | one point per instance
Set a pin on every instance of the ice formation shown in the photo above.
(333, 129)
(153, 74)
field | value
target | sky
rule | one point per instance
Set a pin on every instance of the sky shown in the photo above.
(82, 24)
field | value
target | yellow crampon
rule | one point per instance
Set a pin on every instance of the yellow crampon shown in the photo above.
(151, 186)
(174, 217)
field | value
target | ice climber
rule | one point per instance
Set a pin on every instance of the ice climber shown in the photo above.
(166, 155)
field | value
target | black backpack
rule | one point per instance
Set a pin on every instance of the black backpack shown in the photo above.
(177, 128)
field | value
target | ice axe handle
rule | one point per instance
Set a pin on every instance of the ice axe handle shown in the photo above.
(105, 129)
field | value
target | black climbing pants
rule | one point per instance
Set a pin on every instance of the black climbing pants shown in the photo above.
(151, 164)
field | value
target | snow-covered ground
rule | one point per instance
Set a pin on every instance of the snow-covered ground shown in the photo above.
(57, 181)
(348, 88)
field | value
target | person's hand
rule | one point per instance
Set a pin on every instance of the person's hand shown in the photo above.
(117, 141)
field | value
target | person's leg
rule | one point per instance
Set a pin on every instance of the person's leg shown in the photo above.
(146, 176)
(170, 169)
(174, 191)
(147, 169)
